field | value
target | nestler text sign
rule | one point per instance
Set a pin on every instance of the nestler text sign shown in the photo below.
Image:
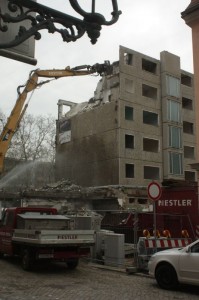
(181, 202)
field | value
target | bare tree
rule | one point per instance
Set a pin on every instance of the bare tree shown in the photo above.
(2, 120)
(34, 139)
(30, 158)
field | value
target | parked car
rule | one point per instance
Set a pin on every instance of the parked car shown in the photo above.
(174, 266)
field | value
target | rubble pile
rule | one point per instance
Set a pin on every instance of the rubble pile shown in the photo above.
(62, 185)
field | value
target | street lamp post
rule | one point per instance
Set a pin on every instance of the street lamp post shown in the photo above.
(43, 17)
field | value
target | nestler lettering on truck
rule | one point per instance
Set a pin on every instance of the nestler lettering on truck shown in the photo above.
(182, 202)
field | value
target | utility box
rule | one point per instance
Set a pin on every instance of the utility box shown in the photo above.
(98, 248)
(114, 250)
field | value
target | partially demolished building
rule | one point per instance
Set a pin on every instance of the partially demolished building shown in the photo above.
(138, 127)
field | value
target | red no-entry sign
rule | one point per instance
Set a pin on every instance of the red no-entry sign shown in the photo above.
(154, 191)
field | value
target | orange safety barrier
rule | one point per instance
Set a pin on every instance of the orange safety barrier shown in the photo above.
(185, 233)
(146, 233)
(166, 233)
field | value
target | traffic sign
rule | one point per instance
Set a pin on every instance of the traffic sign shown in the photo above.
(154, 191)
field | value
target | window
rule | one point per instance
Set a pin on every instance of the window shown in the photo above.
(129, 170)
(187, 103)
(149, 91)
(186, 80)
(150, 118)
(175, 137)
(149, 66)
(174, 111)
(195, 248)
(189, 152)
(64, 125)
(128, 113)
(150, 145)
(175, 163)
(132, 200)
(129, 85)
(173, 86)
(142, 201)
(188, 127)
(128, 59)
(129, 141)
(189, 175)
(151, 172)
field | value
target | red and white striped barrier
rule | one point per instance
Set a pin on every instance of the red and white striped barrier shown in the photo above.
(167, 243)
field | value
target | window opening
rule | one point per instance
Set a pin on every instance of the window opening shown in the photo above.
(189, 152)
(150, 118)
(129, 113)
(186, 80)
(188, 127)
(149, 66)
(129, 170)
(142, 201)
(129, 141)
(150, 145)
(128, 59)
(149, 92)
(151, 172)
(132, 200)
(187, 103)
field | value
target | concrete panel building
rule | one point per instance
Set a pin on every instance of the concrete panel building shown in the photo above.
(138, 127)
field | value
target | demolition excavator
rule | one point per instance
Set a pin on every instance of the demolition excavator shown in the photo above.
(32, 83)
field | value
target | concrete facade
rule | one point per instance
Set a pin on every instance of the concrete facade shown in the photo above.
(138, 127)
(191, 17)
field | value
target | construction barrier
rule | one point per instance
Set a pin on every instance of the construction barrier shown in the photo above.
(162, 243)
(146, 247)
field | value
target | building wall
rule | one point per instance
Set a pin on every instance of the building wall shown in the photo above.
(132, 70)
(139, 127)
(91, 157)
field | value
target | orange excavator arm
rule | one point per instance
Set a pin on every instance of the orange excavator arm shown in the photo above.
(20, 106)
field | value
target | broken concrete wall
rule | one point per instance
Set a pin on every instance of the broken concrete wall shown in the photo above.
(87, 151)
(91, 156)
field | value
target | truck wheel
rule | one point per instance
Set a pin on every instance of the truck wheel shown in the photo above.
(72, 263)
(166, 277)
(26, 260)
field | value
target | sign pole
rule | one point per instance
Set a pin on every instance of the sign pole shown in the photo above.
(154, 224)
(154, 193)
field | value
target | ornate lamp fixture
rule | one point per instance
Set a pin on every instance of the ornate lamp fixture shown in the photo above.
(43, 17)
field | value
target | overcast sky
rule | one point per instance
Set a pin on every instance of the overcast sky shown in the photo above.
(146, 26)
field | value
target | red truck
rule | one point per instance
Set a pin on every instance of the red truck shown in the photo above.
(176, 210)
(41, 233)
